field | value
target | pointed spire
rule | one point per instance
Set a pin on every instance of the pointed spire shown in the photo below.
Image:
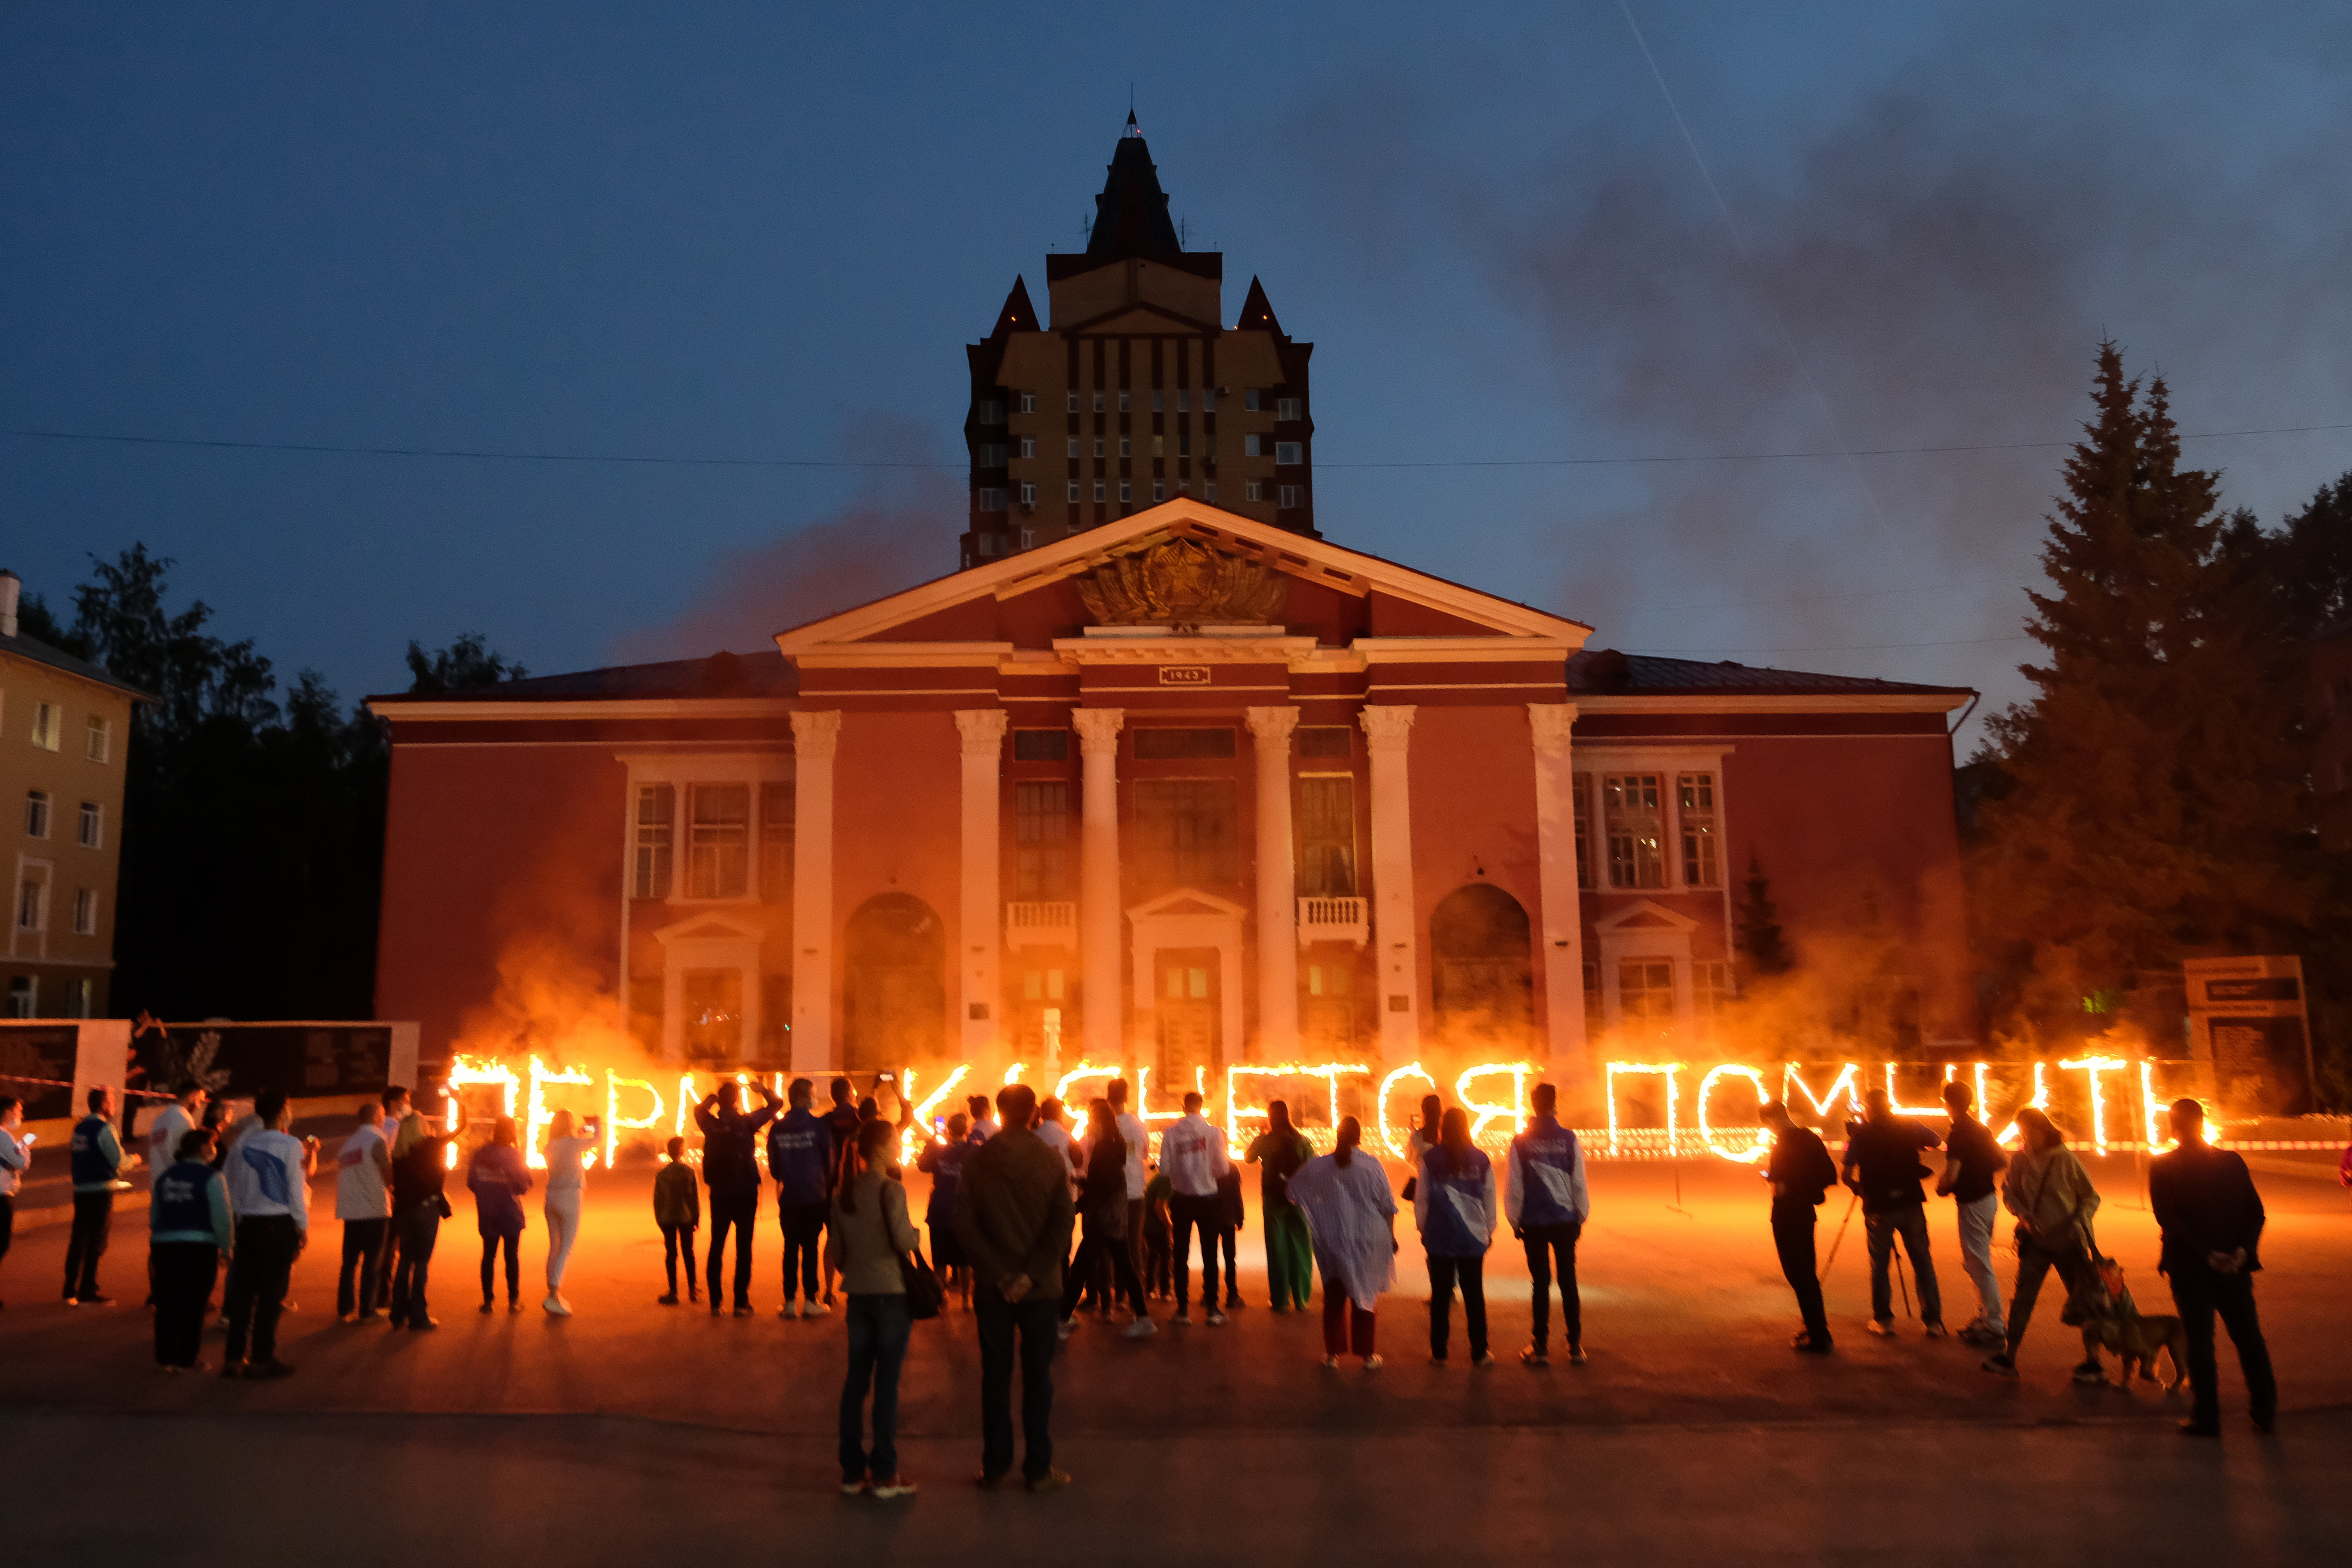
(1018, 315)
(1132, 128)
(1257, 311)
(1131, 214)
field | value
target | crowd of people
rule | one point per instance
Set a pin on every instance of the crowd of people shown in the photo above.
(1009, 1190)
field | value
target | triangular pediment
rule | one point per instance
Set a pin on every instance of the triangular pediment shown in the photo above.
(712, 927)
(1187, 901)
(922, 614)
(1646, 916)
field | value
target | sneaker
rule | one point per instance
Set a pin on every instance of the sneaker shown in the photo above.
(1331, 1362)
(1183, 1318)
(790, 1309)
(1805, 1344)
(416, 1325)
(488, 1308)
(1233, 1303)
(857, 1487)
(1936, 1332)
(716, 1307)
(1882, 1328)
(1576, 1355)
(1482, 1360)
(514, 1303)
(261, 1371)
(1141, 1328)
(895, 1487)
(1535, 1355)
(816, 1309)
(1372, 1363)
(987, 1482)
(2000, 1363)
(743, 1309)
(557, 1307)
(1216, 1319)
(95, 1302)
(1051, 1481)
(1066, 1327)
(369, 1316)
(668, 1300)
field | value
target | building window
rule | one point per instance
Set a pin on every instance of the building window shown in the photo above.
(1290, 495)
(657, 811)
(1125, 490)
(1208, 400)
(1028, 538)
(1254, 489)
(718, 844)
(1099, 446)
(1181, 745)
(1126, 447)
(1250, 447)
(992, 501)
(1073, 445)
(1074, 490)
(1183, 440)
(1712, 990)
(1322, 742)
(1158, 400)
(1208, 492)
(32, 901)
(1629, 813)
(1028, 403)
(712, 1000)
(988, 542)
(1098, 491)
(85, 911)
(1291, 453)
(1028, 446)
(91, 833)
(1327, 837)
(1158, 489)
(1041, 746)
(1593, 1019)
(1286, 409)
(1645, 993)
(1122, 403)
(1582, 785)
(1098, 402)
(1696, 797)
(1028, 495)
(36, 814)
(1041, 837)
(1182, 396)
(1073, 403)
(779, 803)
(82, 997)
(98, 739)
(991, 455)
(991, 411)
(48, 719)
(1249, 398)
(1186, 829)
(24, 996)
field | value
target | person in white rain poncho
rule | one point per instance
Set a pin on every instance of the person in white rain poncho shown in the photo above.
(1352, 1219)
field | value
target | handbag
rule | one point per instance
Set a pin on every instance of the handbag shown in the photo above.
(925, 1295)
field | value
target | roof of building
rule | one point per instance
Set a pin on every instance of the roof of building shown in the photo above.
(1132, 220)
(26, 646)
(1605, 672)
(720, 675)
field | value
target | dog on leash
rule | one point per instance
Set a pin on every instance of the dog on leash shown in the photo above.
(2133, 1336)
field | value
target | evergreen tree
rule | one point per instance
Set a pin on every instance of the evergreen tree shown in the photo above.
(1756, 928)
(2154, 804)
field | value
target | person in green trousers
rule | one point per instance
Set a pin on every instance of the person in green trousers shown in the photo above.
(1278, 1152)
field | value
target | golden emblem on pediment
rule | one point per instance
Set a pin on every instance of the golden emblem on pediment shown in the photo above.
(1180, 584)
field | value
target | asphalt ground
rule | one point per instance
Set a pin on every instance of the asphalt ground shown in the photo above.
(1693, 1433)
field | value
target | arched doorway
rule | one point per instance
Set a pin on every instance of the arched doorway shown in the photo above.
(1484, 983)
(894, 998)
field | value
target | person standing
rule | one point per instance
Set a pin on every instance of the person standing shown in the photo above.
(420, 1173)
(943, 1160)
(397, 1115)
(868, 1235)
(800, 1154)
(1192, 1157)
(1454, 1208)
(270, 1195)
(1102, 1204)
(2211, 1218)
(1139, 1152)
(1278, 1152)
(15, 1159)
(363, 1204)
(182, 1115)
(498, 1176)
(1545, 1200)
(983, 1127)
(1013, 1217)
(189, 1232)
(841, 1125)
(567, 1180)
(1352, 1220)
(730, 1169)
(1972, 1162)
(678, 1210)
(1882, 1165)
(95, 1158)
(1800, 1174)
(1057, 1136)
(2051, 1196)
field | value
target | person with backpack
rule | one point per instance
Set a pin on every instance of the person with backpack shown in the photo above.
(1453, 1207)
(1800, 1174)
(420, 1173)
(1546, 1202)
(94, 1157)
(800, 1159)
(868, 1237)
(730, 1169)
(2051, 1196)
(1882, 1166)
(1278, 1152)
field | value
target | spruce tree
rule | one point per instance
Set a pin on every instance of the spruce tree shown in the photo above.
(1755, 932)
(2156, 806)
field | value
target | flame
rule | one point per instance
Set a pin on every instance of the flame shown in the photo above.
(2091, 1068)
(1846, 1082)
(1514, 1114)
(540, 1077)
(1895, 1105)
(615, 1120)
(1659, 1069)
(919, 1127)
(1397, 1148)
(2041, 1101)
(1762, 1145)
(1236, 1112)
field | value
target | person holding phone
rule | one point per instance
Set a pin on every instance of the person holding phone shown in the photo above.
(567, 1180)
(15, 1158)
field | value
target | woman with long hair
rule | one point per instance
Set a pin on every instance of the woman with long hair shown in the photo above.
(1352, 1219)
(869, 1234)
(1280, 1150)
(1102, 1204)
(2051, 1196)
(499, 1178)
(566, 1180)
(1453, 1205)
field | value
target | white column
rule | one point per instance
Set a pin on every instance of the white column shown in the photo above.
(1562, 925)
(983, 730)
(815, 738)
(1387, 731)
(1099, 898)
(1277, 888)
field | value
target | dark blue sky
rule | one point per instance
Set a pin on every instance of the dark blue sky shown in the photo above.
(756, 231)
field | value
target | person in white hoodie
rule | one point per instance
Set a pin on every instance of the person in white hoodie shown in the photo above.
(268, 1190)
(1192, 1156)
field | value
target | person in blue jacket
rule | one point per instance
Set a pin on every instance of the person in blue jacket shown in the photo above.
(800, 1157)
(95, 1157)
(943, 1160)
(188, 1228)
(1545, 1204)
(1453, 1205)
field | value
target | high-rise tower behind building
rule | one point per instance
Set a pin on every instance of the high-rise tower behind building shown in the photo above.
(1133, 392)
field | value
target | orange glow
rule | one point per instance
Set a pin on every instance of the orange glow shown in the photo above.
(1847, 1082)
(1895, 1102)
(1080, 1074)
(1481, 1112)
(1397, 1147)
(919, 1128)
(1013, 1074)
(2041, 1101)
(2092, 1067)
(1762, 1143)
(536, 1128)
(1656, 1069)
(615, 1120)
(1236, 1112)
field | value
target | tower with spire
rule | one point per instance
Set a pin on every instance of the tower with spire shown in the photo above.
(1132, 391)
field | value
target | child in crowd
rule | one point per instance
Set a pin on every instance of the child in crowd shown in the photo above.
(1158, 1239)
(678, 1209)
(1229, 1228)
(944, 1163)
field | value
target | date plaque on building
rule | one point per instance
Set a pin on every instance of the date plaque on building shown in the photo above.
(1183, 675)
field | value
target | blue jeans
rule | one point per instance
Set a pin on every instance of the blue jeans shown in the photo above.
(878, 1327)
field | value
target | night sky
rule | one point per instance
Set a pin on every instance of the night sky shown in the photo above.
(712, 231)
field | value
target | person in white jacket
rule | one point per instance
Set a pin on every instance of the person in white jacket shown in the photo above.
(1453, 1205)
(270, 1192)
(1545, 1202)
(1192, 1155)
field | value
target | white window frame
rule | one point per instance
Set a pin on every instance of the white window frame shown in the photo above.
(34, 877)
(1028, 492)
(1158, 489)
(40, 811)
(1250, 399)
(1669, 763)
(1643, 930)
(1290, 496)
(1209, 491)
(1287, 408)
(1253, 490)
(85, 911)
(1100, 487)
(1289, 454)
(681, 774)
(1073, 445)
(90, 826)
(1073, 492)
(1125, 491)
(98, 739)
(48, 724)
(1028, 403)
(1028, 446)
(1251, 445)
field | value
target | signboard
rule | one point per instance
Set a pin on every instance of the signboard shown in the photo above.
(306, 1060)
(37, 1066)
(2248, 1015)
(1183, 675)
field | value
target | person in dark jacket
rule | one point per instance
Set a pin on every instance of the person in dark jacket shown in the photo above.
(731, 1168)
(189, 1227)
(499, 1178)
(678, 1209)
(841, 1122)
(1882, 1166)
(800, 1158)
(2211, 1218)
(419, 1173)
(1102, 1204)
(1279, 1151)
(1012, 1215)
(943, 1160)
(1229, 1216)
(95, 1160)
(1800, 1173)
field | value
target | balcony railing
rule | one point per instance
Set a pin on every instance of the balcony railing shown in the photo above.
(1042, 925)
(1334, 919)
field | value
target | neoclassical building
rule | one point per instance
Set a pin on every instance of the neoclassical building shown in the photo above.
(1186, 788)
